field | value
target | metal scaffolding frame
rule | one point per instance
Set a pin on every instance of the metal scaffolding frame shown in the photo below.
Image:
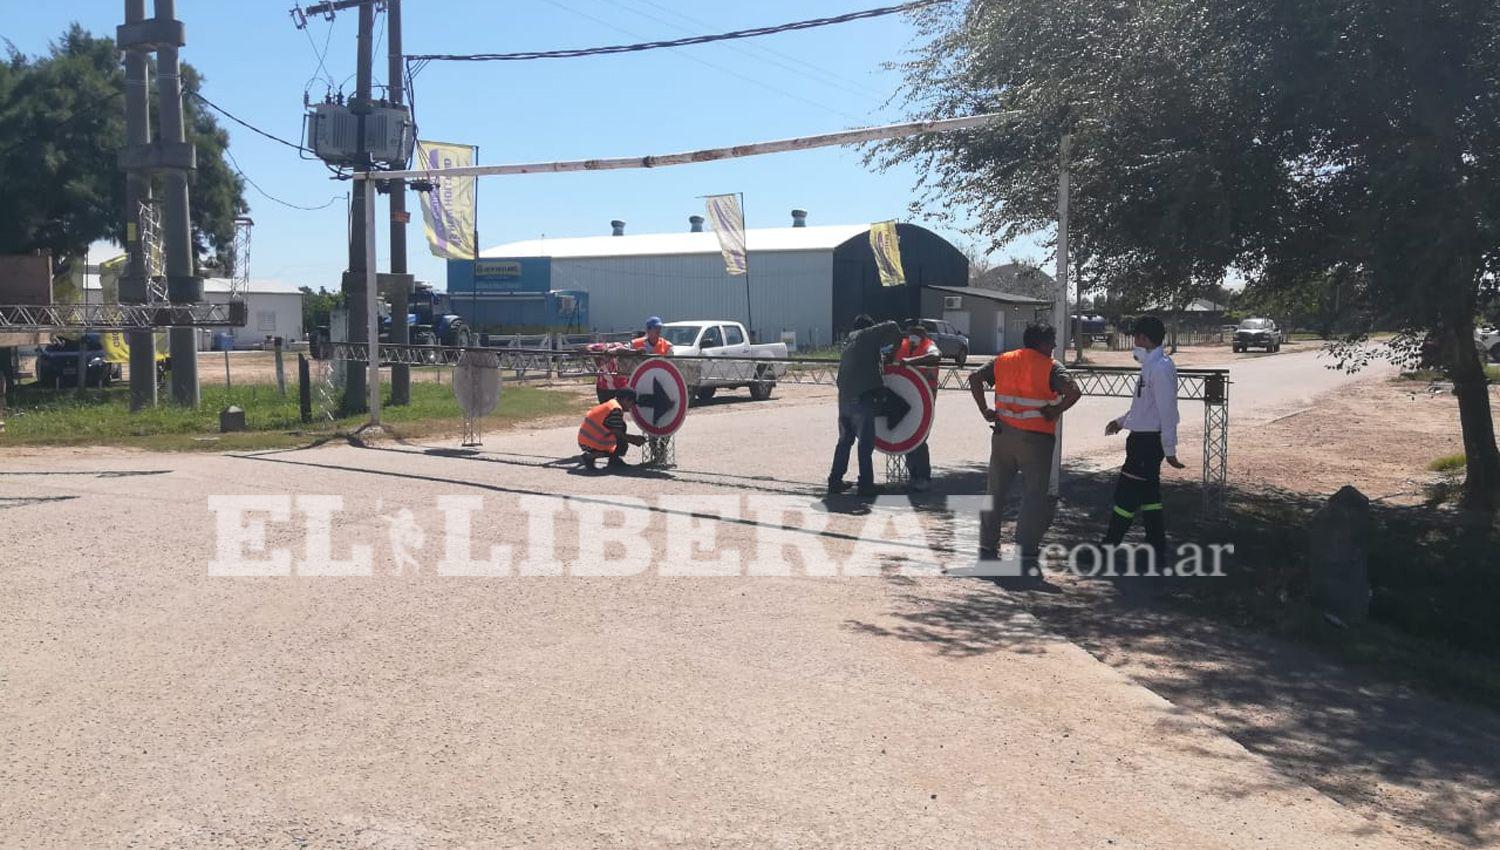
(41, 318)
(149, 220)
(1209, 386)
(239, 259)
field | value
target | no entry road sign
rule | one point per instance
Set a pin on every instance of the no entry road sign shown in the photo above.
(661, 397)
(906, 418)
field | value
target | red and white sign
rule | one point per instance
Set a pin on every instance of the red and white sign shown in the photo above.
(661, 397)
(907, 417)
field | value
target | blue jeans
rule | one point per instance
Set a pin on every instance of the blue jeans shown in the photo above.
(856, 422)
(919, 463)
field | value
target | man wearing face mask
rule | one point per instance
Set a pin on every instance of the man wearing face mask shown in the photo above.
(1152, 423)
(918, 351)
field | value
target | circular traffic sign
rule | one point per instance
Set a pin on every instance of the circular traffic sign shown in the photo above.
(661, 397)
(906, 419)
(476, 383)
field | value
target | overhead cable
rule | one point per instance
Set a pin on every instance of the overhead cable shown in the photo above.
(246, 124)
(678, 42)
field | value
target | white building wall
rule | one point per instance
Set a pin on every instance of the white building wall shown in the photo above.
(269, 314)
(789, 291)
(279, 311)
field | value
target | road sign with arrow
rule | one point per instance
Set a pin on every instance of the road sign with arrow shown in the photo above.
(905, 416)
(661, 397)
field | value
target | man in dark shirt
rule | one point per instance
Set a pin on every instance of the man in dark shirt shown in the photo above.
(860, 379)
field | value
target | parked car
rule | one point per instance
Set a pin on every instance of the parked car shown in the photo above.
(57, 363)
(1488, 340)
(951, 344)
(729, 340)
(1257, 333)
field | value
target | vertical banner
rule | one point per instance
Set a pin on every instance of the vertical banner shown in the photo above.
(887, 253)
(729, 223)
(448, 210)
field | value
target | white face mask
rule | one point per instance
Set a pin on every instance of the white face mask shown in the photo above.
(1139, 354)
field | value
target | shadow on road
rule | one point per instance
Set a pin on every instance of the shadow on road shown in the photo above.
(1243, 654)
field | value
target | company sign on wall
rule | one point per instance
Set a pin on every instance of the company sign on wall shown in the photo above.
(525, 274)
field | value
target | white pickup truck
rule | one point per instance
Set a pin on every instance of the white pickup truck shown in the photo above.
(716, 338)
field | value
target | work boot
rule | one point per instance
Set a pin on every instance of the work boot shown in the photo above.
(868, 491)
(838, 486)
(589, 461)
(617, 465)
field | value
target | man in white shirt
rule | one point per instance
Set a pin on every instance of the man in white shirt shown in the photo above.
(1152, 423)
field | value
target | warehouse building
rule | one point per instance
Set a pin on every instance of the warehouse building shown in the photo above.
(806, 284)
(993, 321)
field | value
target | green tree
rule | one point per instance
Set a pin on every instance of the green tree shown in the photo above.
(62, 128)
(317, 307)
(1286, 139)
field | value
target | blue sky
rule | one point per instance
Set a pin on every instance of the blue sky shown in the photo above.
(258, 65)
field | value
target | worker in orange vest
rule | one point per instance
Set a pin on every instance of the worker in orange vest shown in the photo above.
(1031, 391)
(614, 375)
(603, 432)
(919, 351)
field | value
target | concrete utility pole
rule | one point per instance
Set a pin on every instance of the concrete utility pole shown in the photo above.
(355, 386)
(133, 289)
(183, 286)
(1060, 299)
(400, 297)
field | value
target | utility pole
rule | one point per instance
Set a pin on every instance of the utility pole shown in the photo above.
(1060, 298)
(183, 287)
(400, 296)
(133, 287)
(355, 387)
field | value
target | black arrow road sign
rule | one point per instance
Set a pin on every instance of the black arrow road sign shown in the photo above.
(896, 409)
(658, 401)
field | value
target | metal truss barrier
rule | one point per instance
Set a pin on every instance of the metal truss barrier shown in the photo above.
(120, 317)
(1209, 386)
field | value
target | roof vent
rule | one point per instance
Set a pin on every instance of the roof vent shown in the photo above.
(799, 218)
(695, 223)
(617, 228)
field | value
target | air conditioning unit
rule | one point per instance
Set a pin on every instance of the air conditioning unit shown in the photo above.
(333, 134)
(953, 302)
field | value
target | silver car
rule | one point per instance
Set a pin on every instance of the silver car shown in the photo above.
(1257, 333)
(951, 344)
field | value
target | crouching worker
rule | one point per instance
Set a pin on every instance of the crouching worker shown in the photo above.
(603, 433)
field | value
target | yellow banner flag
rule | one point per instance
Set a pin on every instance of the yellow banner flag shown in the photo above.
(887, 249)
(448, 213)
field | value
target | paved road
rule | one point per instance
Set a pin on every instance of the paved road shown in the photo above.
(144, 700)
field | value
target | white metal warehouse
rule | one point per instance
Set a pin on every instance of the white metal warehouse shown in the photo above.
(805, 283)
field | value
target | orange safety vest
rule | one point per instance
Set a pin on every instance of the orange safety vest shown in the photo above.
(1023, 384)
(661, 347)
(592, 434)
(928, 347)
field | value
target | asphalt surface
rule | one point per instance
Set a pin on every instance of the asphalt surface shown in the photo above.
(146, 701)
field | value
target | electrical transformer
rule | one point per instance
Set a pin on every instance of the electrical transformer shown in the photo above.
(333, 134)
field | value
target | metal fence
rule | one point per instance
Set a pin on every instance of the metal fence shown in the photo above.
(1208, 386)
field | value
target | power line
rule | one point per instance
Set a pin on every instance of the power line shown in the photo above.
(763, 53)
(322, 55)
(679, 42)
(708, 64)
(241, 172)
(246, 124)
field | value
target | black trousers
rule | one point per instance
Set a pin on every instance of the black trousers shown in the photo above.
(1138, 492)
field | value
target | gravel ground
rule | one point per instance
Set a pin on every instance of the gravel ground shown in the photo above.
(149, 702)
